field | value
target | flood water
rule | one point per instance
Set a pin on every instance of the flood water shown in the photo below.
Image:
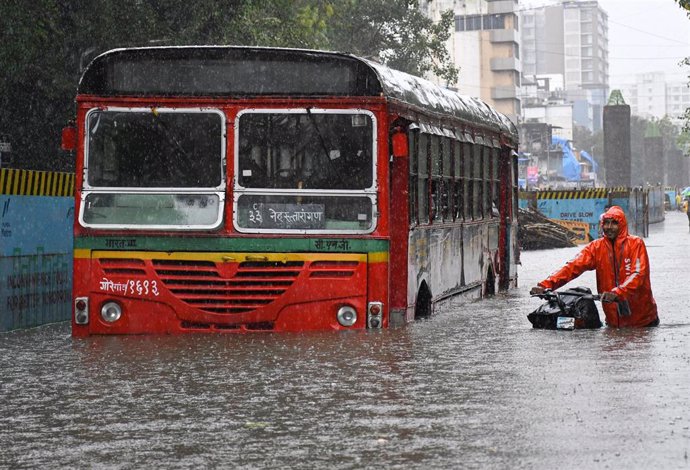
(473, 387)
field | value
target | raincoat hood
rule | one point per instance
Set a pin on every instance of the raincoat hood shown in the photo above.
(616, 213)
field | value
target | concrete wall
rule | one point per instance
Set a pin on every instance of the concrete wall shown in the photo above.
(641, 206)
(36, 215)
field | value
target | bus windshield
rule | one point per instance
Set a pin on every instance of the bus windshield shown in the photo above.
(305, 170)
(153, 168)
(306, 150)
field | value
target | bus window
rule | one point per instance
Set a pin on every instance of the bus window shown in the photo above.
(147, 168)
(307, 149)
(458, 177)
(154, 149)
(436, 181)
(494, 181)
(414, 153)
(477, 182)
(468, 156)
(486, 178)
(447, 170)
(423, 179)
(305, 170)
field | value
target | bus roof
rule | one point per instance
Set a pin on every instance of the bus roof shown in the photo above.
(260, 71)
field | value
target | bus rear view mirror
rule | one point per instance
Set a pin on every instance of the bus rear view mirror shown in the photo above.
(400, 145)
(69, 138)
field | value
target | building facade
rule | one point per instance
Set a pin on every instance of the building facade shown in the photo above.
(485, 45)
(651, 96)
(570, 38)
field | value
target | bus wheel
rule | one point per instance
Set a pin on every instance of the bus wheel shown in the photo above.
(490, 286)
(422, 308)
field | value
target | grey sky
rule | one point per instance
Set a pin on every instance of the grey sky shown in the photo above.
(644, 36)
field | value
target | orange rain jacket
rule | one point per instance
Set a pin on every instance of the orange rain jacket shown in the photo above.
(622, 268)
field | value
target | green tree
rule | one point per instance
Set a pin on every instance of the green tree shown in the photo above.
(394, 32)
(47, 43)
(685, 4)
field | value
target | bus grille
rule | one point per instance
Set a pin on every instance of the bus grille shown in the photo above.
(201, 285)
(212, 288)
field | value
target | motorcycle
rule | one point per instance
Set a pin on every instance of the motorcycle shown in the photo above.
(570, 309)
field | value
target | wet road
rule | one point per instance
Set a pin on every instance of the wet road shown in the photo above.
(473, 387)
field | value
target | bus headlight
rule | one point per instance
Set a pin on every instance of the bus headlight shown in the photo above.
(111, 312)
(347, 316)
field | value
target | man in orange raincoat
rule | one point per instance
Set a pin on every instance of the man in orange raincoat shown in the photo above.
(622, 271)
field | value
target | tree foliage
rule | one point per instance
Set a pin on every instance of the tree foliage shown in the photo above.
(47, 43)
(395, 32)
(685, 4)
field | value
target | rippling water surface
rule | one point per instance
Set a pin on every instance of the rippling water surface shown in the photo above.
(473, 387)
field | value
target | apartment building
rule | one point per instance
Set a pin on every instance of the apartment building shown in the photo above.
(652, 96)
(485, 45)
(570, 38)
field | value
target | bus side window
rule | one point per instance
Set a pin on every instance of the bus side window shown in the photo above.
(436, 182)
(447, 171)
(477, 181)
(457, 179)
(486, 177)
(467, 177)
(413, 137)
(423, 179)
(494, 182)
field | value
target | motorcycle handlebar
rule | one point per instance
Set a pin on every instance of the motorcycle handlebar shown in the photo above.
(551, 294)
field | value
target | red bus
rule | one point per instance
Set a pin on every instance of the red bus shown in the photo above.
(239, 189)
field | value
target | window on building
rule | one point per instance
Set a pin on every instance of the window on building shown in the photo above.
(459, 23)
(473, 23)
(494, 21)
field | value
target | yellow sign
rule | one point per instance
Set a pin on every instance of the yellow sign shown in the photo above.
(580, 229)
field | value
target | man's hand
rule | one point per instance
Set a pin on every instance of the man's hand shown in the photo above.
(536, 290)
(609, 297)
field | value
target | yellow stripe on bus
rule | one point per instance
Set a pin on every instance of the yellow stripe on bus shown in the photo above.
(374, 257)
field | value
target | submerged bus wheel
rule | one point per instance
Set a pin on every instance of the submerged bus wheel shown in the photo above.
(422, 308)
(490, 286)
